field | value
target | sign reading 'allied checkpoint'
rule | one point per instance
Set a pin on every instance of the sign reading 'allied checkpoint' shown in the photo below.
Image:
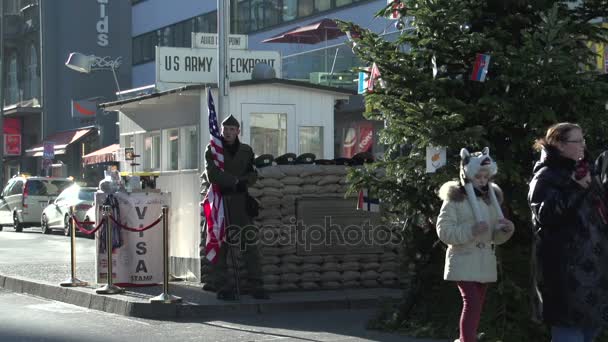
(185, 65)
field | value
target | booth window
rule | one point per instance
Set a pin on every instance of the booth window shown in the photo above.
(269, 133)
(189, 143)
(128, 141)
(152, 152)
(311, 140)
(171, 137)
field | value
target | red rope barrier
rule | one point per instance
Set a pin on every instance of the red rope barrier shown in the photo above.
(136, 229)
(83, 229)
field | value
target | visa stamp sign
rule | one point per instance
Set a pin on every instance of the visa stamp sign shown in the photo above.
(186, 65)
(209, 41)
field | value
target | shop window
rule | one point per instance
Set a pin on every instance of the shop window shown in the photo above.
(171, 138)
(269, 133)
(12, 91)
(189, 142)
(305, 8)
(32, 74)
(322, 5)
(311, 140)
(290, 10)
(152, 152)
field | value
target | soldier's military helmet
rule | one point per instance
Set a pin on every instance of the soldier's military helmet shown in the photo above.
(306, 158)
(344, 161)
(231, 121)
(362, 158)
(325, 162)
(263, 160)
(286, 159)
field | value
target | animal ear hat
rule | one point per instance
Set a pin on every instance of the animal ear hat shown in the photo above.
(470, 165)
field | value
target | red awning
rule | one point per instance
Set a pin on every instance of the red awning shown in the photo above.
(319, 31)
(61, 140)
(103, 155)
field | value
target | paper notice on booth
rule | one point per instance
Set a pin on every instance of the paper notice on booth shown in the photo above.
(435, 158)
(137, 257)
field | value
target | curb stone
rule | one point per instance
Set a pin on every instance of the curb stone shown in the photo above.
(137, 305)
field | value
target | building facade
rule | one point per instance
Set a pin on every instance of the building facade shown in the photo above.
(45, 101)
(327, 63)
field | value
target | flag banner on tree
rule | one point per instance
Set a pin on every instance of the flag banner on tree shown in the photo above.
(368, 202)
(435, 158)
(363, 82)
(374, 76)
(213, 203)
(396, 5)
(480, 68)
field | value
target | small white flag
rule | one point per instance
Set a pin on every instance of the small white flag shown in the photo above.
(435, 158)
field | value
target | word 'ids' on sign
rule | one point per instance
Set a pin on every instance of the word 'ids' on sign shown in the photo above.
(334, 226)
(209, 41)
(185, 65)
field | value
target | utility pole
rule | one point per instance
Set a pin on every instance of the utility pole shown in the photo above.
(2, 93)
(223, 57)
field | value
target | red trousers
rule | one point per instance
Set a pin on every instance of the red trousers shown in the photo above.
(473, 295)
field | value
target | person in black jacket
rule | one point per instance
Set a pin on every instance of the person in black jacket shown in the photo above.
(570, 252)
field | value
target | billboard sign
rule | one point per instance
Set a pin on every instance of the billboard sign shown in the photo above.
(83, 108)
(48, 150)
(209, 41)
(186, 65)
(12, 144)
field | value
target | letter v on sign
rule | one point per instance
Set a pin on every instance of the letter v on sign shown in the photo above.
(141, 214)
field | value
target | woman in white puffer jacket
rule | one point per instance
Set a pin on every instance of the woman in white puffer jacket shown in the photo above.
(471, 225)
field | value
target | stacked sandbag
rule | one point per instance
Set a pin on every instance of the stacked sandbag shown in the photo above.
(278, 190)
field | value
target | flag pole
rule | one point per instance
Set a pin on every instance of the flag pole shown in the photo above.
(223, 58)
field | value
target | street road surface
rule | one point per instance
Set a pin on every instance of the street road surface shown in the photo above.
(30, 319)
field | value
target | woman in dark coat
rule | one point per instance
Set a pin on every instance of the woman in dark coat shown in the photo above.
(570, 239)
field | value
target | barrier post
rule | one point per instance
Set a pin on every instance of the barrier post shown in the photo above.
(109, 288)
(73, 281)
(165, 297)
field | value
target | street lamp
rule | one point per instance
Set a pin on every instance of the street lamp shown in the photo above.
(87, 63)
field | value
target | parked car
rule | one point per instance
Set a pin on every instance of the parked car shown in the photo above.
(57, 214)
(24, 197)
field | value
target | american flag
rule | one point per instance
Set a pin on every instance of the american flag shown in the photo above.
(213, 204)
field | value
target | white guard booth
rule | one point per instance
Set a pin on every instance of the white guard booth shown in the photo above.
(169, 132)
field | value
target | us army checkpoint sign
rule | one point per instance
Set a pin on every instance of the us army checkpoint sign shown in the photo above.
(186, 65)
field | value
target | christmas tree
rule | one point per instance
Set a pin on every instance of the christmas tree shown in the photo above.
(473, 73)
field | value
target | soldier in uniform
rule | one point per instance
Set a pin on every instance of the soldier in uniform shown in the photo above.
(238, 175)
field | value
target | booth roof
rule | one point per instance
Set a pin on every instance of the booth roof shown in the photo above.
(335, 90)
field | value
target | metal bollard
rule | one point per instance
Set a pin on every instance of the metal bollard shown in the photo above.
(109, 288)
(73, 281)
(165, 297)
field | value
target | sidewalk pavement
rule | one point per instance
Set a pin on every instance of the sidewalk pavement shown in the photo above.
(40, 273)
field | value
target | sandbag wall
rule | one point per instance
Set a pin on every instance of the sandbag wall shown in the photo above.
(277, 190)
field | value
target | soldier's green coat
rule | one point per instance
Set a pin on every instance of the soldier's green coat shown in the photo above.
(237, 166)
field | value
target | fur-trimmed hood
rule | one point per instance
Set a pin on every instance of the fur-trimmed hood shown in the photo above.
(453, 191)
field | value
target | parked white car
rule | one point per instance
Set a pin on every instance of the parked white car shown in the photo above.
(57, 214)
(24, 197)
